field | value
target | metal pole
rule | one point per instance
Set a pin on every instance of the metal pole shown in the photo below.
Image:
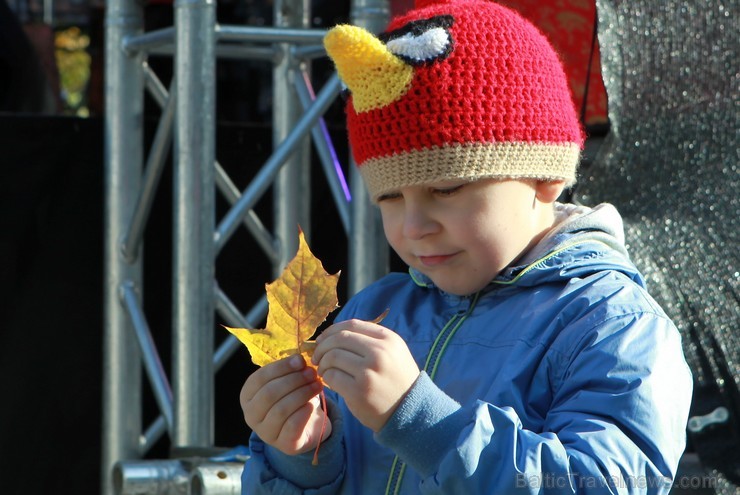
(123, 166)
(327, 155)
(49, 12)
(152, 364)
(292, 198)
(194, 221)
(368, 250)
(217, 479)
(288, 12)
(269, 170)
(150, 478)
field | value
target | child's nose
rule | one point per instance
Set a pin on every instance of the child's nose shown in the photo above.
(418, 222)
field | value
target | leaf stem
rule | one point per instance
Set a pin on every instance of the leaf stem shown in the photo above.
(315, 460)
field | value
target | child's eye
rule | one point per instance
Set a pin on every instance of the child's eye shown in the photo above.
(447, 191)
(388, 196)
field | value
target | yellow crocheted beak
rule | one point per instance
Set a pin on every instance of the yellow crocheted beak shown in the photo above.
(375, 76)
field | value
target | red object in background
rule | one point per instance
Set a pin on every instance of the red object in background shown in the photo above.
(569, 25)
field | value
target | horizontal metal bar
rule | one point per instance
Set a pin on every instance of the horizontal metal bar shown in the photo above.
(327, 155)
(147, 41)
(269, 34)
(152, 364)
(251, 220)
(150, 477)
(309, 52)
(245, 52)
(228, 51)
(161, 41)
(216, 478)
(194, 475)
(267, 173)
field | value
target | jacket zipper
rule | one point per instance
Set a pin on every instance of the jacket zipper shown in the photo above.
(398, 468)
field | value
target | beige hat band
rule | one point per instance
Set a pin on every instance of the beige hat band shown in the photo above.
(470, 162)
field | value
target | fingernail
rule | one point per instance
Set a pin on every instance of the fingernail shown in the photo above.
(296, 362)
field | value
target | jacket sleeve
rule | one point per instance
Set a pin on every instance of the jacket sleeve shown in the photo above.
(616, 423)
(269, 471)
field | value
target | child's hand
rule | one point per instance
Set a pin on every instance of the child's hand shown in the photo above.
(281, 405)
(369, 365)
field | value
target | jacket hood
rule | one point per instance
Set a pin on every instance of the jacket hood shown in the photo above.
(583, 241)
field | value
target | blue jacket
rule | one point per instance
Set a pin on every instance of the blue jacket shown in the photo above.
(562, 376)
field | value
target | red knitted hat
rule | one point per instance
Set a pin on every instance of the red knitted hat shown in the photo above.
(456, 89)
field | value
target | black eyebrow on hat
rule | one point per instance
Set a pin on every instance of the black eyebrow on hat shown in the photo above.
(418, 27)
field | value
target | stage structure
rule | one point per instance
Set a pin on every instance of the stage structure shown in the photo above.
(187, 126)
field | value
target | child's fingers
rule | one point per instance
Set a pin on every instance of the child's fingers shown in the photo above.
(370, 366)
(285, 421)
(368, 328)
(353, 335)
(270, 372)
(274, 393)
(342, 361)
(301, 430)
(280, 404)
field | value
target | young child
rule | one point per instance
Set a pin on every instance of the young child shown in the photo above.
(521, 353)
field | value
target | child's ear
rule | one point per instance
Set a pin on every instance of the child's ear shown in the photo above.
(548, 191)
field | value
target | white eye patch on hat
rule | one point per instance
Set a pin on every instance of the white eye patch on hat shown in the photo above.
(421, 42)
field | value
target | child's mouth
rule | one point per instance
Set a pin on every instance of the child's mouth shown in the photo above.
(435, 260)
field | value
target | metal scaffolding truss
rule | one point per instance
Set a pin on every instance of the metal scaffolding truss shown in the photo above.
(132, 174)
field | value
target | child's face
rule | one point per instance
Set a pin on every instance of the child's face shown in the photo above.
(462, 234)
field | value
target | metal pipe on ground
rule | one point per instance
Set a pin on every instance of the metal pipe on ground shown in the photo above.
(167, 477)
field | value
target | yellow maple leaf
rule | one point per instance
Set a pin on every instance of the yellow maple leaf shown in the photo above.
(298, 302)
